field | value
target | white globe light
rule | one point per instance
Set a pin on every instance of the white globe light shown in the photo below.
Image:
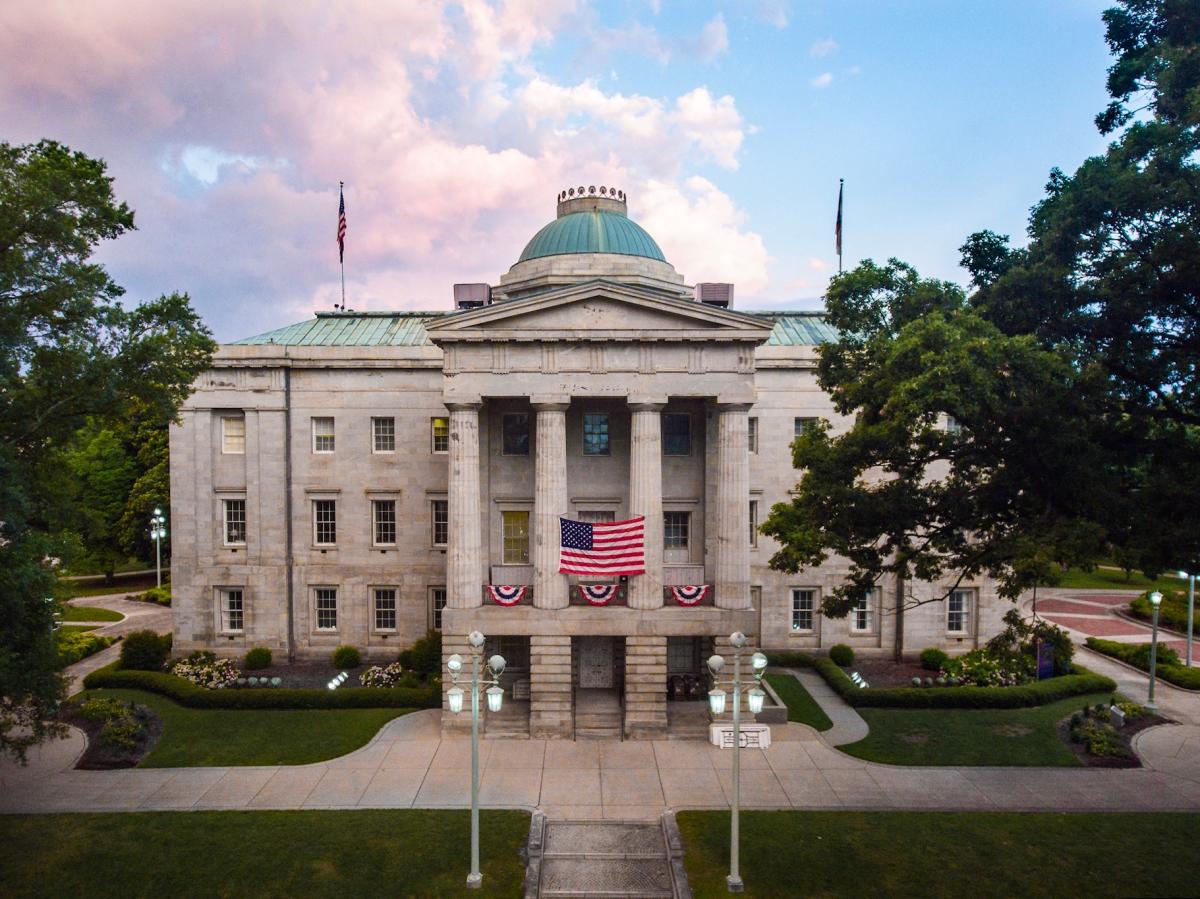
(454, 663)
(754, 699)
(1155, 598)
(475, 638)
(738, 639)
(759, 661)
(497, 663)
(716, 701)
(495, 697)
(454, 697)
(716, 664)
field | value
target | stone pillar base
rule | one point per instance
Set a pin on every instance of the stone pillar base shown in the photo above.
(645, 688)
(551, 712)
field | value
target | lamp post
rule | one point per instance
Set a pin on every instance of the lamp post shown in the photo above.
(1191, 606)
(158, 530)
(1155, 599)
(716, 702)
(495, 697)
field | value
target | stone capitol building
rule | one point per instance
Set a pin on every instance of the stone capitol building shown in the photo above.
(362, 477)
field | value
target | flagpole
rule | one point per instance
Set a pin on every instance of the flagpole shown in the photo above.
(342, 256)
(841, 186)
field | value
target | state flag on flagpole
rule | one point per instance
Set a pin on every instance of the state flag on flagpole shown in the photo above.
(603, 547)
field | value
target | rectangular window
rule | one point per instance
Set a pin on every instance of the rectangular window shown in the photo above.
(683, 656)
(677, 434)
(235, 521)
(324, 522)
(322, 435)
(958, 611)
(595, 435)
(804, 602)
(440, 522)
(862, 614)
(385, 608)
(514, 649)
(754, 522)
(676, 528)
(595, 516)
(233, 613)
(756, 597)
(752, 433)
(515, 434)
(383, 431)
(327, 612)
(384, 514)
(440, 430)
(800, 425)
(516, 537)
(233, 434)
(437, 602)
(952, 425)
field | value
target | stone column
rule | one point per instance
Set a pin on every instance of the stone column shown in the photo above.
(732, 577)
(645, 498)
(464, 588)
(549, 502)
(550, 711)
(646, 688)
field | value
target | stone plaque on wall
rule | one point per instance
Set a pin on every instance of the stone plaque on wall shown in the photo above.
(596, 662)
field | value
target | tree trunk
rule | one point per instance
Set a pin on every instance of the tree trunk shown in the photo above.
(110, 577)
(899, 642)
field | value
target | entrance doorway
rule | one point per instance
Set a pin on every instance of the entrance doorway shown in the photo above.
(598, 669)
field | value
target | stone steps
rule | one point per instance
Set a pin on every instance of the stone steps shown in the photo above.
(611, 859)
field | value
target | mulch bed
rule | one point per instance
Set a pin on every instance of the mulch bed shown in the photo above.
(1126, 733)
(886, 673)
(100, 756)
(306, 675)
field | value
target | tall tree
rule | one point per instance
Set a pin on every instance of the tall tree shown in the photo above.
(70, 353)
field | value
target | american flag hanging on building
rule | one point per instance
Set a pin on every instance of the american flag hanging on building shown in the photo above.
(341, 225)
(603, 547)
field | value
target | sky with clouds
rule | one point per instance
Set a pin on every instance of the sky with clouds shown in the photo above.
(227, 126)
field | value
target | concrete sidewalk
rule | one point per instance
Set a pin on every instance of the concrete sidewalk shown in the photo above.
(408, 765)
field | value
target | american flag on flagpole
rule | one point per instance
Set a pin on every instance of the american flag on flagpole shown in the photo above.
(341, 238)
(603, 547)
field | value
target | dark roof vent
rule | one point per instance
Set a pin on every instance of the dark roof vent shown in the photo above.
(715, 294)
(472, 296)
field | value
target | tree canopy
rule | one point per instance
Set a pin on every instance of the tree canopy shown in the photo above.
(71, 355)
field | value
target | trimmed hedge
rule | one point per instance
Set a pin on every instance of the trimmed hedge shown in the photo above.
(1138, 655)
(188, 694)
(965, 697)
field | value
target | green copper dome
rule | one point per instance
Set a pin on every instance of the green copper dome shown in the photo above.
(592, 232)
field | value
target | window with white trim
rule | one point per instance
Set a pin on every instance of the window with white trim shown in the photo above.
(804, 604)
(676, 530)
(952, 425)
(233, 434)
(754, 522)
(862, 613)
(515, 537)
(324, 522)
(233, 513)
(383, 514)
(385, 608)
(232, 609)
(958, 611)
(437, 602)
(322, 435)
(439, 428)
(383, 435)
(752, 433)
(325, 601)
(439, 510)
(800, 425)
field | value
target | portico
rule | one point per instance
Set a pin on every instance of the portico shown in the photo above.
(591, 372)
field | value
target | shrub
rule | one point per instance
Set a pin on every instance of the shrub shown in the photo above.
(425, 656)
(1138, 655)
(1020, 638)
(933, 659)
(1172, 611)
(991, 668)
(375, 676)
(346, 657)
(842, 655)
(205, 670)
(123, 732)
(75, 645)
(102, 709)
(188, 694)
(159, 595)
(257, 658)
(789, 659)
(145, 651)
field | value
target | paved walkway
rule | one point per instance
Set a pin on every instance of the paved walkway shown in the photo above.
(1093, 613)
(139, 616)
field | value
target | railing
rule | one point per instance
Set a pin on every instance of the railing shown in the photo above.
(620, 598)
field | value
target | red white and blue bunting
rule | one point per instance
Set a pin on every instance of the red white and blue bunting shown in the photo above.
(598, 594)
(506, 594)
(689, 595)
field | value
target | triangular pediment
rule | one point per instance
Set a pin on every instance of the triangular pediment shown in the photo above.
(599, 310)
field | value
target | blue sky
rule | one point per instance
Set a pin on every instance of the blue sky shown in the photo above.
(227, 127)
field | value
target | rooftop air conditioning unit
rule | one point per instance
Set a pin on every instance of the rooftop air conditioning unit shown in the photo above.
(713, 294)
(472, 296)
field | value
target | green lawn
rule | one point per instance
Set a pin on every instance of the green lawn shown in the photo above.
(931, 854)
(336, 854)
(252, 737)
(135, 584)
(1114, 579)
(969, 736)
(89, 613)
(800, 704)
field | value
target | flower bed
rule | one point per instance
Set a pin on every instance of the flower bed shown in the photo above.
(119, 733)
(1095, 736)
(1138, 655)
(388, 676)
(204, 669)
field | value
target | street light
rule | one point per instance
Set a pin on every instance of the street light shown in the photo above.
(495, 698)
(158, 531)
(1155, 599)
(716, 702)
(1191, 606)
